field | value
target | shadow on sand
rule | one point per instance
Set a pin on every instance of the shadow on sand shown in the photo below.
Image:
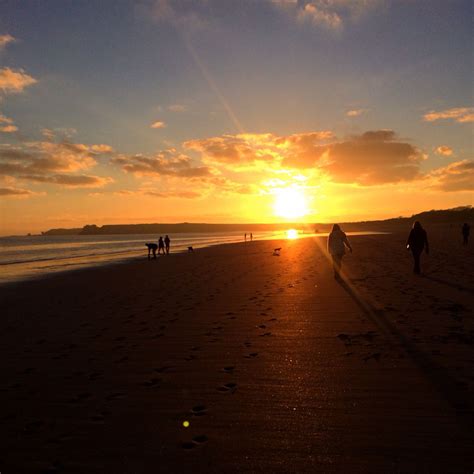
(438, 376)
(450, 284)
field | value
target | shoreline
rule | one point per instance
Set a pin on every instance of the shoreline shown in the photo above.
(132, 258)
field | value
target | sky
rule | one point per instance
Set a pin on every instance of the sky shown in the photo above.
(233, 110)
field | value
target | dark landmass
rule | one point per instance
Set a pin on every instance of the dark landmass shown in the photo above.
(453, 216)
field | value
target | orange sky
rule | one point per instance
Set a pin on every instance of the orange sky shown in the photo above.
(200, 113)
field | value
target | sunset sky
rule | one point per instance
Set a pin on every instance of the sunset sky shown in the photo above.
(233, 110)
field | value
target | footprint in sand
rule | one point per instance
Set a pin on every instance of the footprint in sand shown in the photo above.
(115, 396)
(196, 442)
(165, 368)
(252, 355)
(154, 382)
(266, 334)
(375, 356)
(228, 387)
(229, 369)
(199, 410)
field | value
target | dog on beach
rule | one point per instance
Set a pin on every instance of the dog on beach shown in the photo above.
(190, 249)
(276, 252)
(152, 248)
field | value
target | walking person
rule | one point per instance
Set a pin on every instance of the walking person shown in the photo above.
(337, 243)
(161, 245)
(417, 242)
(245, 237)
(251, 236)
(167, 244)
(466, 230)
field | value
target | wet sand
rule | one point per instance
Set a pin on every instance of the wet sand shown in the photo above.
(276, 366)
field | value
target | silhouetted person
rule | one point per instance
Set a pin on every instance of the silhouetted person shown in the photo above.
(337, 243)
(245, 237)
(161, 245)
(466, 230)
(251, 236)
(167, 244)
(417, 241)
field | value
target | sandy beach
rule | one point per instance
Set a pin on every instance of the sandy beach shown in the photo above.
(275, 365)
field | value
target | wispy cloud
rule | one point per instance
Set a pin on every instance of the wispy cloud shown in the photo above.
(16, 192)
(7, 125)
(331, 14)
(165, 163)
(5, 40)
(177, 108)
(54, 163)
(458, 176)
(14, 81)
(158, 124)
(444, 150)
(459, 114)
(355, 112)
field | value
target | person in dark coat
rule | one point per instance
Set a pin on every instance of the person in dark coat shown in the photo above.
(466, 229)
(417, 242)
(167, 244)
(161, 246)
(337, 243)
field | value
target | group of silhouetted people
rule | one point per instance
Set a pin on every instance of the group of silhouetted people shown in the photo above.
(417, 242)
(164, 245)
(250, 237)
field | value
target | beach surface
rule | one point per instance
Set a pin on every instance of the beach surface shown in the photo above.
(232, 359)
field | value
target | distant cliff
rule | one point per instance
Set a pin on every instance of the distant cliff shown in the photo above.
(445, 216)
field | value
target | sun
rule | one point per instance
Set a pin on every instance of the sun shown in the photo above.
(290, 203)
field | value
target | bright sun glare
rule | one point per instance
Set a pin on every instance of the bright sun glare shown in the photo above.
(290, 203)
(291, 234)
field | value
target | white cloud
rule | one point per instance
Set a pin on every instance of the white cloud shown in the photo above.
(458, 114)
(14, 81)
(355, 112)
(158, 124)
(444, 150)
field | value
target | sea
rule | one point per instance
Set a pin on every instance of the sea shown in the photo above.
(36, 256)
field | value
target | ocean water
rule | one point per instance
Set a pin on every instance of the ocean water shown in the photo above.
(27, 257)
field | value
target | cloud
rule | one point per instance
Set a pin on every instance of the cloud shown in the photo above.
(7, 125)
(14, 82)
(238, 151)
(373, 158)
(6, 40)
(331, 14)
(8, 128)
(70, 180)
(190, 16)
(319, 15)
(444, 150)
(15, 192)
(55, 163)
(102, 149)
(459, 115)
(177, 108)
(173, 194)
(165, 163)
(158, 124)
(458, 176)
(355, 112)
